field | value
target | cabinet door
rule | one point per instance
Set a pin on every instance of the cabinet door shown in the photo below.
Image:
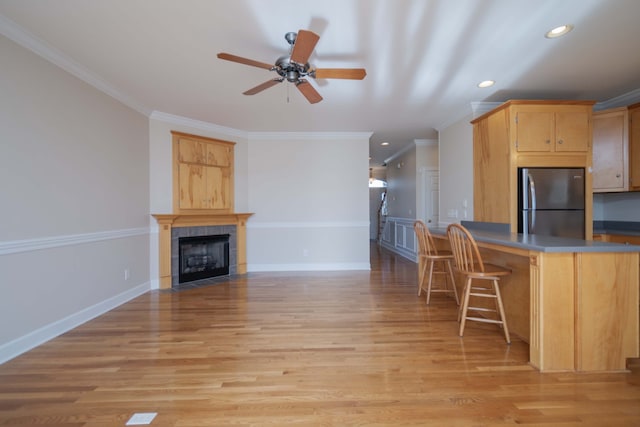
(204, 187)
(533, 131)
(218, 155)
(191, 151)
(634, 149)
(193, 187)
(572, 131)
(219, 187)
(609, 150)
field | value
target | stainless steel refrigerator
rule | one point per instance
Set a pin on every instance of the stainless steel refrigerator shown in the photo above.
(551, 201)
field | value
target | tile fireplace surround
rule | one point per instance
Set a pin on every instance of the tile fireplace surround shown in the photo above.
(167, 222)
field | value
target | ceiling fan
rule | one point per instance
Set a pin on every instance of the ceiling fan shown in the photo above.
(294, 66)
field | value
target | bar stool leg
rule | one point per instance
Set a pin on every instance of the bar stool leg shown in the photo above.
(462, 315)
(422, 269)
(431, 265)
(503, 318)
(453, 281)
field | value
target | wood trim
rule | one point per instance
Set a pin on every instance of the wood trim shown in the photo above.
(607, 310)
(582, 307)
(202, 138)
(230, 203)
(168, 221)
(532, 102)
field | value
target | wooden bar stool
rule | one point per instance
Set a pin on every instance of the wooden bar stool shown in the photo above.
(468, 263)
(438, 263)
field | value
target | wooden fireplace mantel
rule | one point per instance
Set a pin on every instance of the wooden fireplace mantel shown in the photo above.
(168, 221)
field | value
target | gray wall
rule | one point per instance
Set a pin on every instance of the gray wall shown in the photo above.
(401, 192)
(456, 171)
(74, 238)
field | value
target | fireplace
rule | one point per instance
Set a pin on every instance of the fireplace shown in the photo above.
(172, 227)
(211, 251)
(202, 257)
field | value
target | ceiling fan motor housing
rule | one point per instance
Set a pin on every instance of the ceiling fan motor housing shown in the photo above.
(291, 70)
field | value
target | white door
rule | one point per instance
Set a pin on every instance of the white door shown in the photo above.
(431, 199)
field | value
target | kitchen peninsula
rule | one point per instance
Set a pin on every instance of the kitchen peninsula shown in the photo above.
(574, 301)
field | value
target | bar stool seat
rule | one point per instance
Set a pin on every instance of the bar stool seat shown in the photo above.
(481, 280)
(436, 262)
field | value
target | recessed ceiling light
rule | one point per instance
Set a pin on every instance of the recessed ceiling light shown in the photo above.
(559, 31)
(385, 143)
(486, 83)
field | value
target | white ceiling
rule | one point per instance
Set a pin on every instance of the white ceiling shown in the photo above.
(423, 58)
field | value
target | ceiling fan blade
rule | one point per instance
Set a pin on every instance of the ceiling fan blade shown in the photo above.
(263, 86)
(303, 46)
(339, 73)
(241, 60)
(308, 91)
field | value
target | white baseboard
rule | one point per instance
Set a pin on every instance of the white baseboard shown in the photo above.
(308, 267)
(33, 339)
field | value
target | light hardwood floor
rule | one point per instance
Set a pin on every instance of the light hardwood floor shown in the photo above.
(305, 349)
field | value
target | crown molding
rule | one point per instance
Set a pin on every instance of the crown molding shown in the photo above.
(197, 124)
(21, 36)
(288, 136)
(269, 136)
(619, 101)
(479, 108)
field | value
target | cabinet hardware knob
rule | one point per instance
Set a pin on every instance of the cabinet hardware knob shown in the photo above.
(548, 141)
(617, 175)
(560, 141)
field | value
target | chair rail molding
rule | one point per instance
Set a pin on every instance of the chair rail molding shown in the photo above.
(27, 245)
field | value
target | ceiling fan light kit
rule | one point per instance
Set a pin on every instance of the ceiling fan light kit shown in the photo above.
(295, 67)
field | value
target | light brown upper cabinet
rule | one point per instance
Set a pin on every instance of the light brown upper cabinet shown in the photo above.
(202, 174)
(543, 128)
(527, 133)
(634, 147)
(610, 150)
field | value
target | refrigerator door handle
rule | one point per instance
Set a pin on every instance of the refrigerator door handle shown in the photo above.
(532, 192)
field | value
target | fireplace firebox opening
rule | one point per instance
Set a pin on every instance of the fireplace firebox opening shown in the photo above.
(203, 257)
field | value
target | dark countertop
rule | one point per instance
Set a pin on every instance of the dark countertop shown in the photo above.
(544, 243)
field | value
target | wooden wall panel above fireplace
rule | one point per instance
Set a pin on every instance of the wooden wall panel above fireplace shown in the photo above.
(202, 174)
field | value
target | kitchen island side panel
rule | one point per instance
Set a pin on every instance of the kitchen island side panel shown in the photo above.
(607, 316)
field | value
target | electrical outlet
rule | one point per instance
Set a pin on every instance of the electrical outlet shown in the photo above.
(126, 274)
(305, 252)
